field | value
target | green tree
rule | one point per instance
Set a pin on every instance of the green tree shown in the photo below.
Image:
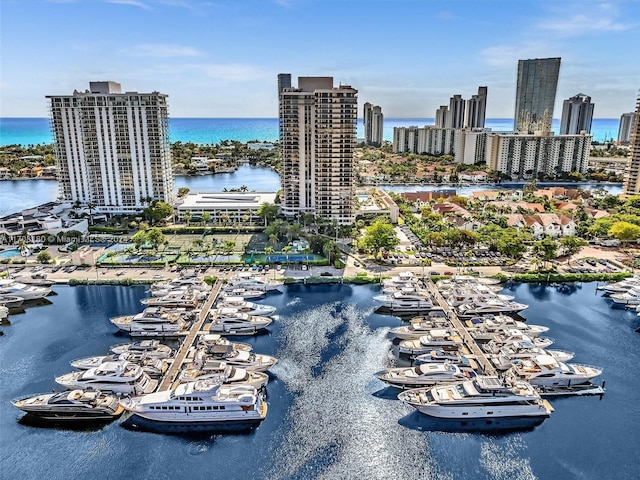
(379, 236)
(158, 211)
(330, 250)
(206, 216)
(155, 238)
(624, 231)
(546, 249)
(229, 247)
(571, 245)
(43, 257)
(268, 211)
(183, 192)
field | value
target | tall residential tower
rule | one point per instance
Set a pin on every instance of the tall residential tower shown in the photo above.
(577, 115)
(632, 174)
(476, 109)
(537, 82)
(626, 124)
(317, 141)
(373, 121)
(112, 148)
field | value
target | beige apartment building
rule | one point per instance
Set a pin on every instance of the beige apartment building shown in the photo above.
(632, 177)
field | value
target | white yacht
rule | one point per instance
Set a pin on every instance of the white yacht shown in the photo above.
(191, 282)
(489, 305)
(457, 357)
(630, 297)
(546, 371)
(483, 329)
(402, 280)
(419, 327)
(246, 293)
(436, 338)
(460, 297)
(153, 316)
(152, 348)
(405, 302)
(239, 302)
(253, 282)
(224, 373)
(69, 406)
(253, 362)
(180, 299)
(11, 301)
(198, 406)
(121, 377)
(12, 288)
(4, 312)
(231, 323)
(425, 374)
(621, 286)
(165, 330)
(152, 366)
(519, 350)
(514, 337)
(482, 397)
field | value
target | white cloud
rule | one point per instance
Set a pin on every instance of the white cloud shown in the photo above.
(602, 17)
(133, 3)
(508, 55)
(162, 50)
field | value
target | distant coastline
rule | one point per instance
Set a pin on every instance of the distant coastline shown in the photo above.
(33, 131)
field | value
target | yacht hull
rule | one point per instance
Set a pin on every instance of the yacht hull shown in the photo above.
(138, 422)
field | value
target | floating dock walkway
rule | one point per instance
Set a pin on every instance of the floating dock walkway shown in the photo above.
(172, 372)
(477, 354)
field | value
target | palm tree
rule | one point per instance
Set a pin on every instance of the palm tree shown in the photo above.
(91, 207)
(206, 216)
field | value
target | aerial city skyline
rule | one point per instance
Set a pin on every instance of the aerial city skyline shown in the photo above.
(224, 72)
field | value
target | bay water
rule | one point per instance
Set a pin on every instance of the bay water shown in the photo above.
(329, 417)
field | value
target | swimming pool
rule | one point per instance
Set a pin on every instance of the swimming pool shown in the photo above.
(9, 253)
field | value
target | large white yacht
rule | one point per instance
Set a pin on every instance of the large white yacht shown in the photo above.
(489, 305)
(546, 371)
(482, 397)
(69, 406)
(152, 317)
(121, 377)
(621, 286)
(239, 304)
(425, 374)
(514, 337)
(419, 327)
(253, 362)
(235, 323)
(436, 338)
(630, 297)
(179, 299)
(152, 366)
(211, 340)
(151, 348)
(482, 328)
(253, 282)
(225, 373)
(10, 287)
(402, 280)
(198, 406)
(164, 330)
(246, 293)
(405, 301)
(508, 353)
(462, 296)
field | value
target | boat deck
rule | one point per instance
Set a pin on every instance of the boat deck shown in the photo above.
(195, 330)
(469, 341)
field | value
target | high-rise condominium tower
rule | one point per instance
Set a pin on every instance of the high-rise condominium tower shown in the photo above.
(317, 141)
(455, 117)
(476, 109)
(626, 124)
(373, 125)
(577, 114)
(632, 174)
(537, 82)
(441, 116)
(112, 148)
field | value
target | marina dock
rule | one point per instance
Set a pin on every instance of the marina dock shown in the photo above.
(194, 331)
(477, 354)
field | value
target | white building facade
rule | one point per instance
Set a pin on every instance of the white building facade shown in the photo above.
(373, 122)
(428, 140)
(577, 115)
(112, 148)
(318, 140)
(632, 175)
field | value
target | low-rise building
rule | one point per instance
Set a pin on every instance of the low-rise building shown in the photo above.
(226, 207)
(42, 223)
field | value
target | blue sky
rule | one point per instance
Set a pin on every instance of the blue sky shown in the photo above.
(220, 58)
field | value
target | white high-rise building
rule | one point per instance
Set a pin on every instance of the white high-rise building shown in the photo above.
(442, 114)
(318, 140)
(373, 122)
(626, 125)
(430, 140)
(577, 115)
(455, 116)
(112, 148)
(632, 173)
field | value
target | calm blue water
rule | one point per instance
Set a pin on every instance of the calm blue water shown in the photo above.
(328, 416)
(26, 131)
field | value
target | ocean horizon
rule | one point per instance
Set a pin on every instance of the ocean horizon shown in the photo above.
(200, 130)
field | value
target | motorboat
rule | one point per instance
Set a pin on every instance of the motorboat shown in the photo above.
(225, 373)
(514, 337)
(482, 397)
(211, 340)
(619, 287)
(4, 312)
(546, 371)
(13, 288)
(419, 327)
(120, 377)
(436, 338)
(152, 366)
(242, 305)
(152, 348)
(485, 328)
(11, 301)
(166, 330)
(503, 360)
(489, 305)
(178, 289)
(203, 405)
(425, 374)
(188, 282)
(180, 299)
(237, 324)
(457, 297)
(630, 297)
(253, 362)
(402, 280)
(457, 357)
(249, 281)
(153, 316)
(405, 302)
(246, 293)
(75, 405)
